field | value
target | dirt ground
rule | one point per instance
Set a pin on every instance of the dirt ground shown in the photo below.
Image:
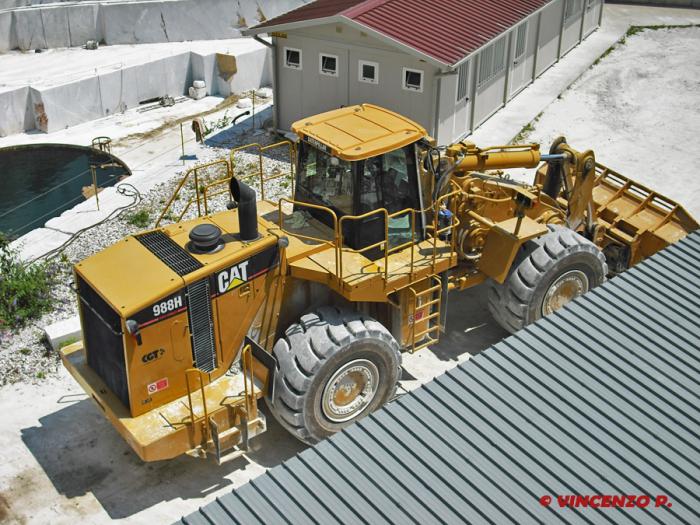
(639, 110)
(62, 462)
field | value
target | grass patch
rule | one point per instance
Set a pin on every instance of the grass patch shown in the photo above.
(25, 289)
(40, 375)
(526, 129)
(140, 219)
(68, 342)
(25, 351)
(635, 30)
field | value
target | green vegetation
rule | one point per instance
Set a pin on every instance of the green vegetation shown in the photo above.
(140, 219)
(25, 289)
(634, 30)
(526, 129)
(221, 123)
(40, 375)
(68, 342)
(25, 351)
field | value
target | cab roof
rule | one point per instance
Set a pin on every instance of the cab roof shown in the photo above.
(359, 132)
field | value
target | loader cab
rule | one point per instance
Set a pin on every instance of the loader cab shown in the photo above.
(368, 175)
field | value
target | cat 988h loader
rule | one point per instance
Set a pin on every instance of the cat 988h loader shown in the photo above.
(309, 301)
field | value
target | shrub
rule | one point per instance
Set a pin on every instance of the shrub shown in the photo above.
(25, 289)
(140, 219)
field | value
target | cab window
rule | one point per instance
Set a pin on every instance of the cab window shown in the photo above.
(327, 178)
(389, 181)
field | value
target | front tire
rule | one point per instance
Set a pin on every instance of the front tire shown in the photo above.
(335, 367)
(548, 272)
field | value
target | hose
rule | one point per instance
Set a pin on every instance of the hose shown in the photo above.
(123, 188)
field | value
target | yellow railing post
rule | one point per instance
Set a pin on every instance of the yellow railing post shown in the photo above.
(205, 432)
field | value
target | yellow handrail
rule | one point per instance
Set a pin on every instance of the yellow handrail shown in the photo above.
(202, 197)
(204, 400)
(194, 170)
(248, 378)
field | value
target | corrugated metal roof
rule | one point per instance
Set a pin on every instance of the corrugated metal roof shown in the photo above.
(446, 30)
(311, 11)
(598, 398)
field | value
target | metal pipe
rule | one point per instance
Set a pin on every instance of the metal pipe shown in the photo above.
(552, 156)
(245, 196)
(263, 42)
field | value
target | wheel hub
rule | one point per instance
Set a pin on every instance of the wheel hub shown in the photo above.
(350, 390)
(565, 288)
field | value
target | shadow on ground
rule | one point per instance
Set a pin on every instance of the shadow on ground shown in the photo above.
(81, 452)
(240, 133)
(470, 327)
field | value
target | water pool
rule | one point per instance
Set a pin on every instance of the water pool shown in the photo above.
(41, 181)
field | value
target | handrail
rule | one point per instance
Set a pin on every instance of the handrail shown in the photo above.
(193, 170)
(292, 157)
(315, 207)
(204, 400)
(387, 249)
(333, 243)
(248, 378)
(202, 197)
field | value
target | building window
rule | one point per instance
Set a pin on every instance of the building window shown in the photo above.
(520, 41)
(328, 65)
(413, 79)
(492, 61)
(462, 81)
(292, 58)
(368, 72)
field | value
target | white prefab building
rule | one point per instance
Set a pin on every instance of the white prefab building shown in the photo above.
(448, 64)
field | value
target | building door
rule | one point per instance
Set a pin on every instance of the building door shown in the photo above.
(463, 105)
(520, 74)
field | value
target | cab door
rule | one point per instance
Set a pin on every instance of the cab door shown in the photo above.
(388, 181)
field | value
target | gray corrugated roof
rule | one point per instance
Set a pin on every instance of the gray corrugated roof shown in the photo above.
(599, 398)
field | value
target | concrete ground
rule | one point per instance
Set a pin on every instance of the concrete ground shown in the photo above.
(61, 462)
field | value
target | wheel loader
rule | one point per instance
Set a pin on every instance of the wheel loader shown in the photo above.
(309, 300)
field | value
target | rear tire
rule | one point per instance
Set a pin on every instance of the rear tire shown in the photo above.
(335, 367)
(547, 273)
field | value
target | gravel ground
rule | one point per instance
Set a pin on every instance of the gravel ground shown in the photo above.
(24, 354)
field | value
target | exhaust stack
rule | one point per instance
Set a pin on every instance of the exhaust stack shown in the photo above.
(245, 197)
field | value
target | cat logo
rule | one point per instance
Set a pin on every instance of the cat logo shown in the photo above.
(243, 272)
(232, 277)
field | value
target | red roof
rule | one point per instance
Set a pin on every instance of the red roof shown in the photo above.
(445, 30)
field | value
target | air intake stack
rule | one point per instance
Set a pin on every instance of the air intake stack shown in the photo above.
(245, 197)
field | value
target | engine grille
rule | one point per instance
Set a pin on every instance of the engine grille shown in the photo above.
(201, 325)
(168, 251)
(103, 341)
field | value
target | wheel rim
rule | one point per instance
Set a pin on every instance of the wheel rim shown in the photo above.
(350, 390)
(565, 288)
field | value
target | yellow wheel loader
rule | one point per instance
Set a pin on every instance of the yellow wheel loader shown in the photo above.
(309, 300)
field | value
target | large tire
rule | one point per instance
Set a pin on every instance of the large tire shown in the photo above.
(329, 357)
(547, 272)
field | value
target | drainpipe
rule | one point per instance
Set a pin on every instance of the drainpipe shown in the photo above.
(275, 105)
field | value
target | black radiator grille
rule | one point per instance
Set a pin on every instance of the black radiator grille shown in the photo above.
(103, 341)
(168, 251)
(201, 325)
